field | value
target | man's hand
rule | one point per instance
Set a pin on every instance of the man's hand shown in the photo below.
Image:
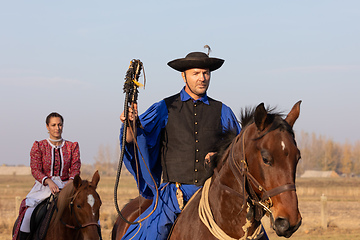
(132, 113)
(208, 157)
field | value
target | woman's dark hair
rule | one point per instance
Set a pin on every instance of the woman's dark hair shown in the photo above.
(53, 114)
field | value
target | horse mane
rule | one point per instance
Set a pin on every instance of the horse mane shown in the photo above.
(225, 139)
(274, 117)
(65, 197)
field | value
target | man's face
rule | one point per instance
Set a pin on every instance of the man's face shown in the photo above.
(197, 82)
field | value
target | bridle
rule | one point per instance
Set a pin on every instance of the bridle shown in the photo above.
(248, 182)
(78, 225)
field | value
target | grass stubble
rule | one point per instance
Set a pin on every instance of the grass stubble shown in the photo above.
(343, 205)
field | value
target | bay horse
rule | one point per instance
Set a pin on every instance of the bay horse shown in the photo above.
(254, 176)
(76, 213)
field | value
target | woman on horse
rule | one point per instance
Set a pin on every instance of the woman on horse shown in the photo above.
(54, 163)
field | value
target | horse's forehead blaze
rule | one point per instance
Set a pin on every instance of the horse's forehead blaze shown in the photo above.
(282, 145)
(91, 200)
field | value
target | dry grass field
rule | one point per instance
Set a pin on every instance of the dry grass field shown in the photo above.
(343, 205)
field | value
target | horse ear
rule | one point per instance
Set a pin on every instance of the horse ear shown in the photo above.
(77, 181)
(95, 179)
(293, 114)
(260, 116)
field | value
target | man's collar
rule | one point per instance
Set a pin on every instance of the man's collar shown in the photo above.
(185, 96)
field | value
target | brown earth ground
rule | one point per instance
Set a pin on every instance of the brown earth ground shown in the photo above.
(343, 205)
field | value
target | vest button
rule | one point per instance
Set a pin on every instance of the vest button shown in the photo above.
(196, 180)
(195, 132)
(196, 140)
(197, 150)
(197, 160)
(196, 170)
(195, 123)
(195, 114)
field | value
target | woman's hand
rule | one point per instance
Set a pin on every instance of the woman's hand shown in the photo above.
(53, 187)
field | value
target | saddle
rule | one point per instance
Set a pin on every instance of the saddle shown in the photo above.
(41, 217)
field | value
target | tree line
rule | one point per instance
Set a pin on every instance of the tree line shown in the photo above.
(322, 153)
(317, 153)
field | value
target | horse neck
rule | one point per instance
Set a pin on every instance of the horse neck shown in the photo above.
(58, 230)
(63, 204)
(229, 173)
(227, 201)
(62, 215)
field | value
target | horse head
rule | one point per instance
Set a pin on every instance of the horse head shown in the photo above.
(271, 155)
(79, 207)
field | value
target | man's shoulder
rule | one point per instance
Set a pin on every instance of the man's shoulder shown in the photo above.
(170, 100)
(210, 99)
(172, 97)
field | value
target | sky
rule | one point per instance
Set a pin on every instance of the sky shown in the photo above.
(72, 56)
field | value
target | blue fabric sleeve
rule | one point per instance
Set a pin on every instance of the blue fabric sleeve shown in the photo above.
(148, 139)
(152, 122)
(229, 120)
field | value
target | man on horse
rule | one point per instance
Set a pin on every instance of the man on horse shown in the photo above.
(176, 138)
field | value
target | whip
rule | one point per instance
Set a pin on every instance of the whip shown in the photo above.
(131, 94)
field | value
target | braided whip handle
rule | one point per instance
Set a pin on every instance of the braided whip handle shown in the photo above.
(131, 93)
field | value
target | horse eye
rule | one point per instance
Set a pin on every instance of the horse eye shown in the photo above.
(78, 206)
(266, 161)
(266, 157)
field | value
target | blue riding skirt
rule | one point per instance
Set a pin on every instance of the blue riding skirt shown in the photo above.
(159, 223)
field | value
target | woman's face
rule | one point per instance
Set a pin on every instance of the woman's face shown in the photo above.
(55, 127)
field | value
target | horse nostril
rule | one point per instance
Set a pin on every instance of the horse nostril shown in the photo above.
(281, 225)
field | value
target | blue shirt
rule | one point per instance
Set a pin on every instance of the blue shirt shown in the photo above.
(153, 120)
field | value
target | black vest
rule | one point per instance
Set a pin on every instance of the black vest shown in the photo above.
(191, 132)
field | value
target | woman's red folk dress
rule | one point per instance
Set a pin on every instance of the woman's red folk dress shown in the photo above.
(60, 163)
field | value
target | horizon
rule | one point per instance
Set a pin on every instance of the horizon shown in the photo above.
(72, 57)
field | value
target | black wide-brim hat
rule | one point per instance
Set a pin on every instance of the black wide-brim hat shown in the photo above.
(196, 60)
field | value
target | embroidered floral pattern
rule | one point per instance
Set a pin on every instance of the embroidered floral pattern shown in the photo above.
(47, 160)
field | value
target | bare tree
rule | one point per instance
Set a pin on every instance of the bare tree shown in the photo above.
(355, 156)
(320, 153)
(105, 160)
(346, 161)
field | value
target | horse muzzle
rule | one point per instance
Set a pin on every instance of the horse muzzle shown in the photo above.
(282, 227)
